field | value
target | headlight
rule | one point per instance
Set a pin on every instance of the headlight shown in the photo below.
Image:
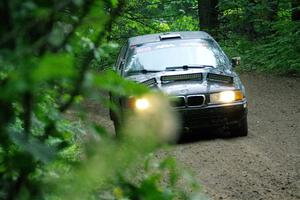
(139, 104)
(142, 104)
(226, 96)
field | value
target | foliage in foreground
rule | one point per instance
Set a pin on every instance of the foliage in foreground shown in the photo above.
(47, 50)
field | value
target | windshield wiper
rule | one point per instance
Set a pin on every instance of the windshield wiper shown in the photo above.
(143, 71)
(186, 67)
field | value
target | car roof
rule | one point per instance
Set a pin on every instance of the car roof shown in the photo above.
(168, 36)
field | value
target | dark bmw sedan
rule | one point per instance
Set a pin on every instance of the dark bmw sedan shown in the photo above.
(192, 69)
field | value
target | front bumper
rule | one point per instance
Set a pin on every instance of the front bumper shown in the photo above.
(213, 115)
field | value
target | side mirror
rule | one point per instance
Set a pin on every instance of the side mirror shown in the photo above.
(236, 61)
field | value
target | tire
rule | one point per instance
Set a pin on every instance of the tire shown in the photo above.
(240, 129)
(117, 126)
(116, 121)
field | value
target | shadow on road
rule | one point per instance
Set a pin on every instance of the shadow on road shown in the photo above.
(203, 135)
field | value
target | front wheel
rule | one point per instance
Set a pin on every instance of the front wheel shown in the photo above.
(240, 129)
(116, 121)
(117, 126)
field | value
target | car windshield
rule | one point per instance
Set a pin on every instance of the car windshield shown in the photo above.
(153, 57)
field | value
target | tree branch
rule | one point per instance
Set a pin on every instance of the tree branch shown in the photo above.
(15, 32)
(27, 111)
(86, 9)
(90, 55)
(84, 66)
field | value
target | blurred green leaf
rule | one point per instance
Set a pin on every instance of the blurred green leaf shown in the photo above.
(54, 66)
(33, 146)
(111, 81)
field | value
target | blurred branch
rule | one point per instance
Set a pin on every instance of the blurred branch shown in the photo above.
(27, 102)
(87, 59)
(21, 180)
(86, 9)
(84, 65)
(6, 21)
(13, 34)
(42, 44)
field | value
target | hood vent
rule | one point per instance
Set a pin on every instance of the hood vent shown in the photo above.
(150, 82)
(181, 77)
(220, 78)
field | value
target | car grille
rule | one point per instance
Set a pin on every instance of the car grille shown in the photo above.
(219, 78)
(195, 100)
(188, 101)
(181, 77)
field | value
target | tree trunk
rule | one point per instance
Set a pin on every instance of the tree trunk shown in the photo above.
(295, 10)
(208, 15)
(6, 25)
(250, 15)
(272, 10)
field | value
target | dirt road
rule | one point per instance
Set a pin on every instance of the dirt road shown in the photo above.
(263, 165)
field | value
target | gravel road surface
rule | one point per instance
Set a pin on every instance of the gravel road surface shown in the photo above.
(263, 165)
(266, 163)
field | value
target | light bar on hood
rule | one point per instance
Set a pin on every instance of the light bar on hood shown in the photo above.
(181, 77)
(150, 82)
(220, 78)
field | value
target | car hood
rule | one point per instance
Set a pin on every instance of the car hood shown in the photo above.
(201, 85)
